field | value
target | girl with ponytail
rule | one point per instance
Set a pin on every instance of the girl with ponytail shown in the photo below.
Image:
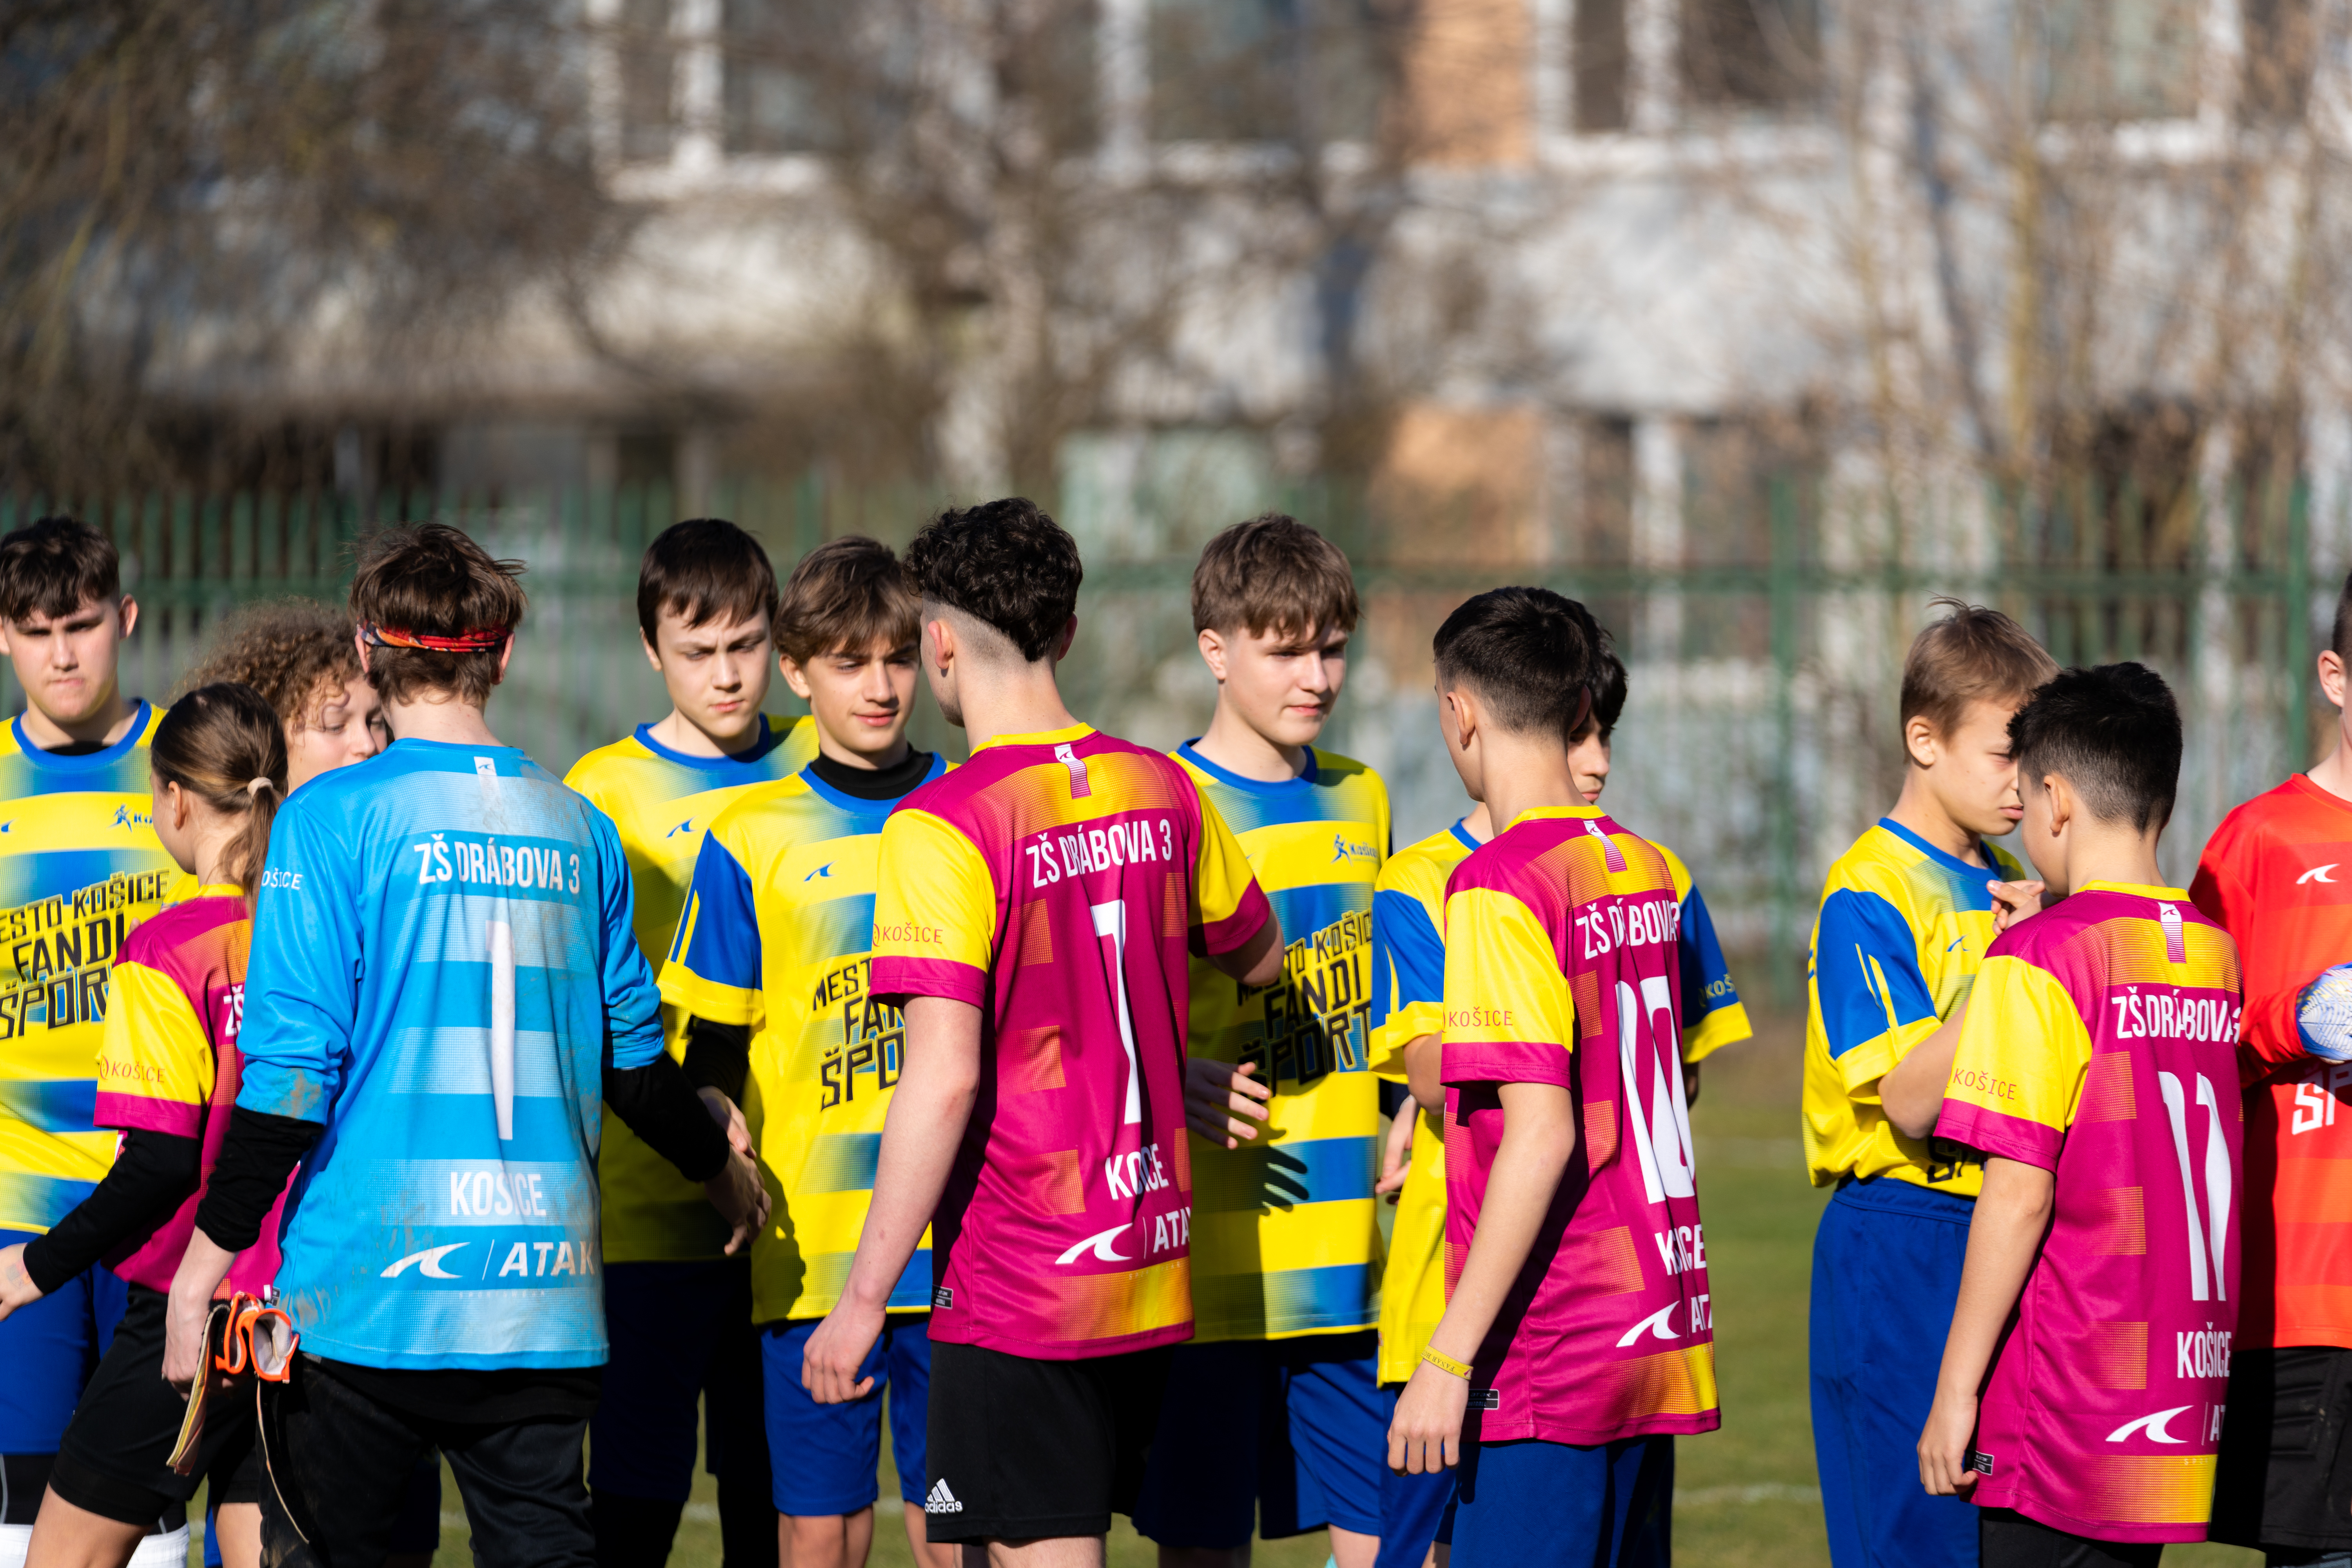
(168, 1071)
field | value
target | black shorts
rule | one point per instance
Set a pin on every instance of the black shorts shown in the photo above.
(1030, 1450)
(115, 1458)
(2285, 1478)
(2007, 1539)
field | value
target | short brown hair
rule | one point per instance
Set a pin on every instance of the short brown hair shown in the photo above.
(433, 580)
(705, 568)
(1272, 571)
(55, 566)
(847, 592)
(290, 650)
(1972, 653)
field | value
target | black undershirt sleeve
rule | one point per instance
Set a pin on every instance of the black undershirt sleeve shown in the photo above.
(261, 1152)
(152, 1175)
(719, 1056)
(660, 1105)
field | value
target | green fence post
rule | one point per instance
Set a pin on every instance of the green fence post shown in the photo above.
(1781, 811)
(2298, 629)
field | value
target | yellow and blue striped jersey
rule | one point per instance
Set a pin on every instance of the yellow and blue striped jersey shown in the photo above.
(663, 801)
(1286, 1233)
(778, 936)
(1902, 929)
(1408, 1001)
(79, 867)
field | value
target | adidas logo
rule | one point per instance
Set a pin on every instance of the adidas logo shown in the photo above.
(943, 1500)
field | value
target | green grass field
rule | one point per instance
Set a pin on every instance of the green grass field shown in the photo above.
(1746, 1496)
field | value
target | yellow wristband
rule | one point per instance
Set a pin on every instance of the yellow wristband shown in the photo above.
(1444, 1362)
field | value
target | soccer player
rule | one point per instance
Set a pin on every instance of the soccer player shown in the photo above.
(300, 656)
(169, 1069)
(776, 939)
(1031, 915)
(677, 1308)
(2095, 1070)
(443, 980)
(1904, 919)
(1408, 1017)
(1576, 1339)
(79, 868)
(1287, 1236)
(2277, 876)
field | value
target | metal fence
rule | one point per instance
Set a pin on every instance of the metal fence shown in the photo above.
(1760, 733)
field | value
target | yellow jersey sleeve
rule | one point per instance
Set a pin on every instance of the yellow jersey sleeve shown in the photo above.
(934, 912)
(155, 1066)
(1509, 1014)
(2018, 1072)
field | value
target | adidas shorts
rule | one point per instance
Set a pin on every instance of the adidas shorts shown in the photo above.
(1027, 1450)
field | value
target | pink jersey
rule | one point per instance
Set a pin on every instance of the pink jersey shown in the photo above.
(1056, 882)
(168, 1063)
(2101, 1044)
(1561, 967)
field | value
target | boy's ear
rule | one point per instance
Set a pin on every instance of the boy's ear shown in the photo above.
(1921, 746)
(2331, 675)
(653, 654)
(129, 611)
(1213, 652)
(2062, 803)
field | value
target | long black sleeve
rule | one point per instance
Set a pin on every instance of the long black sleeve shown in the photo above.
(153, 1174)
(719, 1056)
(661, 1107)
(260, 1152)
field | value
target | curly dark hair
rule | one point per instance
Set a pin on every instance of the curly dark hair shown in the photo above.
(291, 651)
(1005, 562)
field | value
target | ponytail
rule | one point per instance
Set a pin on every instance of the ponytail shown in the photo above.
(224, 744)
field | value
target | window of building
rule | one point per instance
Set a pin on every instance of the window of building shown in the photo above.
(2280, 40)
(1746, 55)
(1264, 70)
(1599, 63)
(648, 71)
(773, 55)
(2110, 61)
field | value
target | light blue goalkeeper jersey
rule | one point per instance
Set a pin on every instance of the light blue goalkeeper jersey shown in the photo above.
(442, 963)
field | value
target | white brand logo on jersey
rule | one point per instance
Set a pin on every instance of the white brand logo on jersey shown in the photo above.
(943, 1500)
(2319, 874)
(2151, 1426)
(1660, 1323)
(1099, 1245)
(428, 1262)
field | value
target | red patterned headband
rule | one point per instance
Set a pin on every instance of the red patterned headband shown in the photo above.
(479, 639)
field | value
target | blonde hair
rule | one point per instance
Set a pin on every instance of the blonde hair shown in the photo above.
(225, 746)
(1972, 653)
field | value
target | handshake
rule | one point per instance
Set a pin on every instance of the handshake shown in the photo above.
(736, 1191)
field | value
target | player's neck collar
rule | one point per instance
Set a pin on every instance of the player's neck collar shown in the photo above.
(1304, 779)
(142, 718)
(769, 738)
(2136, 889)
(1945, 858)
(1069, 734)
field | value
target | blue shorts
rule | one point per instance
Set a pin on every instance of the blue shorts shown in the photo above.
(681, 1336)
(1411, 1506)
(1315, 1456)
(1887, 1273)
(51, 1347)
(1553, 1503)
(828, 1456)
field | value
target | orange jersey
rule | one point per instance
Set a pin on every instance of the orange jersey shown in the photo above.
(2277, 876)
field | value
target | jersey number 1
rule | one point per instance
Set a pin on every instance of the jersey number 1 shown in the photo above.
(1111, 920)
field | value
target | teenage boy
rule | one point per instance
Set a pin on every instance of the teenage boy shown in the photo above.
(1287, 1234)
(1033, 912)
(1408, 1016)
(443, 980)
(79, 866)
(2277, 876)
(1906, 916)
(2081, 1395)
(677, 1309)
(776, 939)
(1572, 1349)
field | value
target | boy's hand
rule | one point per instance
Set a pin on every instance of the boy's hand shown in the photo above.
(1426, 1435)
(740, 1198)
(1944, 1445)
(1396, 1151)
(2013, 902)
(1215, 1092)
(728, 1114)
(830, 1360)
(16, 1286)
